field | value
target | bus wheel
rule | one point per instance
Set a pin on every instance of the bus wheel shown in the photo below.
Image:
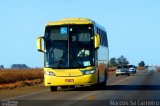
(53, 88)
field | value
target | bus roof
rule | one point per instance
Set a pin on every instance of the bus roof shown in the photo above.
(71, 21)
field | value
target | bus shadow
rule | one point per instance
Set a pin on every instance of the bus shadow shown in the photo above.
(119, 88)
(132, 87)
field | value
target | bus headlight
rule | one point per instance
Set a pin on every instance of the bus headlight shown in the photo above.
(49, 73)
(89, 72)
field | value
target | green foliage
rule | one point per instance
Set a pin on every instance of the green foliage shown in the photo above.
(19, 66)
(119, 61)
(113, 62)
(1, 67)
(141, 64)
(122, 60)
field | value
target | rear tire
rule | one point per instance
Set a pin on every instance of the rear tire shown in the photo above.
(53, 88)
(128, 74)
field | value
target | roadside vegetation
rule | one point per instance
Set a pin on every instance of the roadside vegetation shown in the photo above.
(112, 69)
(158, 69)
(12, 78)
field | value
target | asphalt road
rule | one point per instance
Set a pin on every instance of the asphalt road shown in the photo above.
(140, 89)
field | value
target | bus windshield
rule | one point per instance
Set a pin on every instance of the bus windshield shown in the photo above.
(69, 46)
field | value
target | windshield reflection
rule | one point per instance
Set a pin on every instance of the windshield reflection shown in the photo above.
(69, 47)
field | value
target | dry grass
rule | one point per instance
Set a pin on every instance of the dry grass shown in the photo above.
(141, 68)
(21, 84)
(112, 69)
(158, 69)
(15, 75)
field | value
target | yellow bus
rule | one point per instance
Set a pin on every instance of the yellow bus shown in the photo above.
(75, 53)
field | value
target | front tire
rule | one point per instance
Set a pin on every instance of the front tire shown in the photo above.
(53, 88)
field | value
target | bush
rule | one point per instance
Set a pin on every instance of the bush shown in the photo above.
(141, 68)
(1, 67)
(19, 66)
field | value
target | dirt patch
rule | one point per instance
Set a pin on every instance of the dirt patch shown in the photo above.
(19, 91)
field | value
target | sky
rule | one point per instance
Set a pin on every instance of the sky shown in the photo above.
(133, 27)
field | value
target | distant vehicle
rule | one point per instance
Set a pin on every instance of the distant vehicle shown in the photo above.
(122, 70)
(132, 69)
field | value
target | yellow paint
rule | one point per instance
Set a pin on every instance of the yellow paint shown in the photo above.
(61, 75)
(61, 81)
(71, 21)
(73, 74)
(39, 44)
(96, 41)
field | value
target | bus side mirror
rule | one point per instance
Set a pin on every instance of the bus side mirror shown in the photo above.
(40, 44)
(96, 41)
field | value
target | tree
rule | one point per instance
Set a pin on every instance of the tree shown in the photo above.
(19, 66)
(122, 60)
(141, 64)
(1, 67)
(113, 62)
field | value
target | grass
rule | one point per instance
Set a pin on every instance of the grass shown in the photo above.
(112, 69)
(140, 68)
(158, 69)
(15, 75)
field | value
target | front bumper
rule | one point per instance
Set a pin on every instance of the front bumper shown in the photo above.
(64, 81)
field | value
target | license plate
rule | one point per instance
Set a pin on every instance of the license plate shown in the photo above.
(69, 80)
